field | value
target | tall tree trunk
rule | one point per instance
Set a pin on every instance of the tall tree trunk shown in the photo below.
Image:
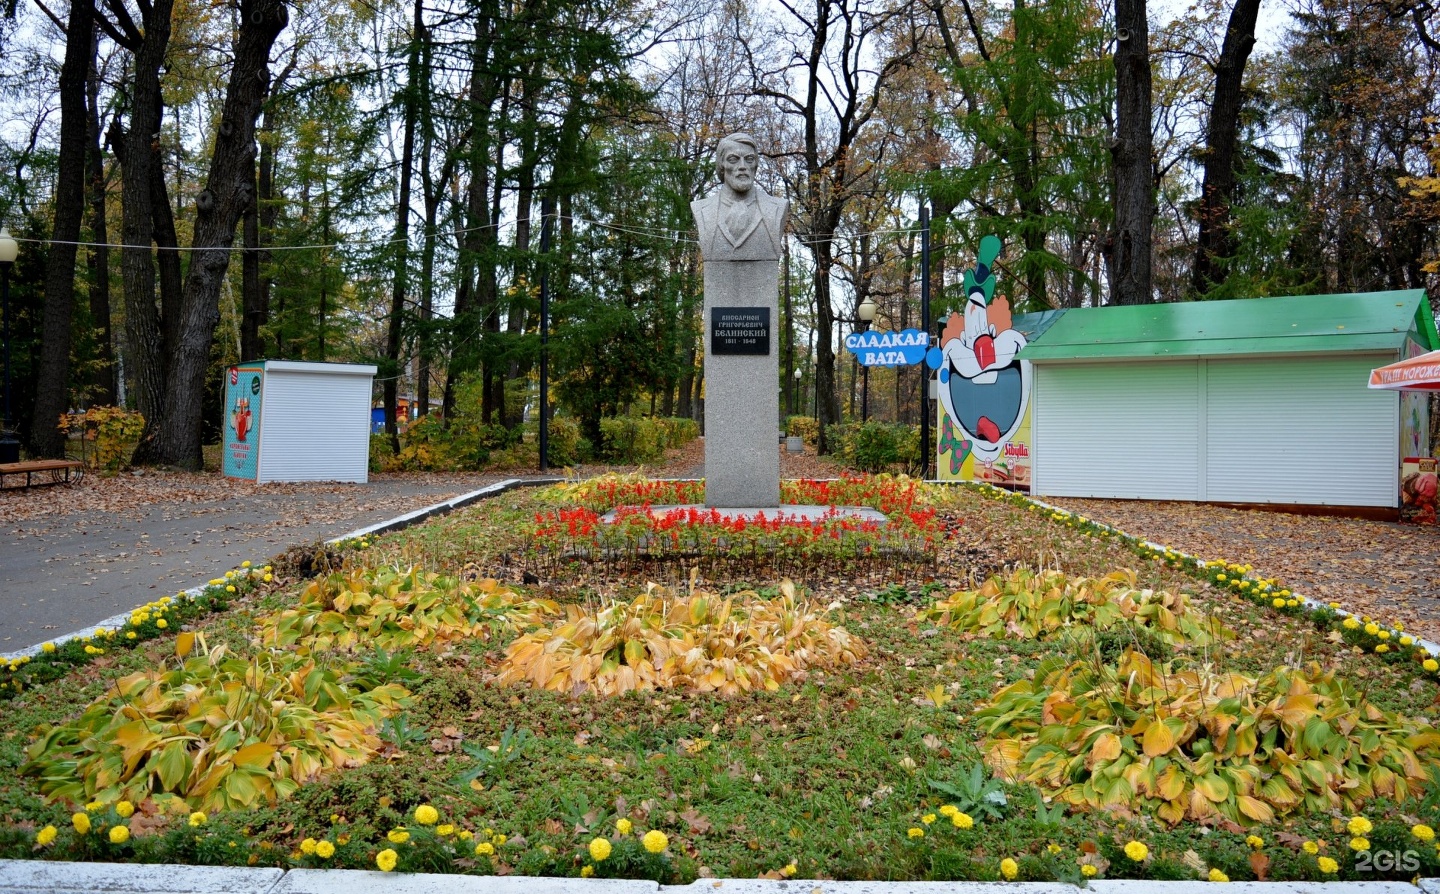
(175, 440)
(139, 159)
(411, 98)
(251, 313)
(1130, 151)
(1214, 244)
(52, 395)
(104, 389)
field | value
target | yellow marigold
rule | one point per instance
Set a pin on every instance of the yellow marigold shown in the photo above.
(1292, 603)
(48, 647)
(928, 818)
(1350, 623)
(624, 826)
(789, 869)
(1381, 649)
(484, 849)
(499, 840)
(398, 836)
(386, 859)
(915, 832)
(1053, 848)
(655, 841)
(162, 623)
(197, 818)
(1423, 832)
(1136, 851)
(1372, 628)
(949, 810)
(962, 820)
(1384, 634)
(1278, 602)
(1406, 640)
(324, 849)
(1218, 876)
(268, 577)
(307, 846)
(1431, 665)
(426, 815)
(1088, 870)
(1359, 844)
(124, 809)
(1255, 841)
(1327, 865)
(1310, 847)
(119, 834)
(1009, 868)
(465, 835)
(46, 836)
(245, 564)
(445, 830)
(1359, 825)
(599, 849)
(587, 871)
(81, 822)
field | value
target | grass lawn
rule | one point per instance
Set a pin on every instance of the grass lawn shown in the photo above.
(851, 743)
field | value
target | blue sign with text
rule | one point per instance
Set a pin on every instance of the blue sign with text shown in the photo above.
(904, 348)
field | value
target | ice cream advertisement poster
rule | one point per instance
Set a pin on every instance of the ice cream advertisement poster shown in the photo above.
(243, 389)
(983, 386)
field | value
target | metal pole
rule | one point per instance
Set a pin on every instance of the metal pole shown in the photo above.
(547, 209)
(865, 394)
(5, 300)
(927, 450)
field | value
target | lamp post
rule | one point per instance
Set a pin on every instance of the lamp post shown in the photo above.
(795, 394)
(867, 316)
(9, 249)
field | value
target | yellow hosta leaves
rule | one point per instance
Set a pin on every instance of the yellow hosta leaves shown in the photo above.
(390, 609)
(1040, 605)
(1192, 743)
(663, 640)
(220, 733)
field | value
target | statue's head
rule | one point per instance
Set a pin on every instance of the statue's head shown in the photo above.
(737, 160)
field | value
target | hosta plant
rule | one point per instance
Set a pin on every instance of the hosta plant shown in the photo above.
(1198, 744)
(395, 609)
(218, 732)
(1040, 605)
(665, 640)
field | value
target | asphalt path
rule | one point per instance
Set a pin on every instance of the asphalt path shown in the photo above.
(62, 573)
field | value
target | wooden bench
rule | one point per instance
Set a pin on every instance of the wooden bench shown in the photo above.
(42, 471)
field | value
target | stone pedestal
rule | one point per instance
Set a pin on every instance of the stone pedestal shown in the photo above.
(742, 397)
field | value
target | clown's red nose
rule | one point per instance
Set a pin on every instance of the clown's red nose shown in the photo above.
(985, 351)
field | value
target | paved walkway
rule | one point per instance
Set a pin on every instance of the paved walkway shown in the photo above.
(61, 573)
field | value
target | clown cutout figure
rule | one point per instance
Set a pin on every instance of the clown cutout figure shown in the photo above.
(984, 388)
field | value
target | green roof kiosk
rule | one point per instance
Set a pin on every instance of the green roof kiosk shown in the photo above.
(1250, 401)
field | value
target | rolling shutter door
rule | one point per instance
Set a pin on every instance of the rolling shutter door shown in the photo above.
(317, 427)
(1300, 430)
(1129, 430)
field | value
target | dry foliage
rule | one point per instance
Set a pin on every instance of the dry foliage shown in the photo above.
(663, 640)
(218, 732)
(391, 609)
(1204, 745)
(1038, 605)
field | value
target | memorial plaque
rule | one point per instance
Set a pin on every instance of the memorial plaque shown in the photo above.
(740, 330)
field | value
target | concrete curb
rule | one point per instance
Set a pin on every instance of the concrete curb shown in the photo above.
(94, 878)
(398, 523)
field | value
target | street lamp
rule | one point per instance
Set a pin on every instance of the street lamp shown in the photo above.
(795, 395)
(9, 249)
(867, 316)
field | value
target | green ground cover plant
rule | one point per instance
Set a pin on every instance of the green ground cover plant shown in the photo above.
(939, 740)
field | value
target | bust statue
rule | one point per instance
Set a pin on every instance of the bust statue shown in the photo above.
(739, 221)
